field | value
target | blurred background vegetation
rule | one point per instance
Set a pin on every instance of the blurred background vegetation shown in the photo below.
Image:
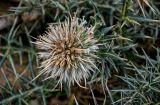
(130, 64)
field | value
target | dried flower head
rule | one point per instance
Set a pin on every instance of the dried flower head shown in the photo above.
(67, 51)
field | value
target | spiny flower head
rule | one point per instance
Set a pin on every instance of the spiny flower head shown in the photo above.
(67, 51)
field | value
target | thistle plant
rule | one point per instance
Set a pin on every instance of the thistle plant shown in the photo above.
(121, 66)
(67, 51)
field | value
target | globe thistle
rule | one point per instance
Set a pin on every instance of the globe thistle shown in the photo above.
(67, 51)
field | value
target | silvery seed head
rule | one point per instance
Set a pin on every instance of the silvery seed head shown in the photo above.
(67, 51)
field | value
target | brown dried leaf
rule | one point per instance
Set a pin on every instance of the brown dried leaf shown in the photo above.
(31, 16)
(6, 22)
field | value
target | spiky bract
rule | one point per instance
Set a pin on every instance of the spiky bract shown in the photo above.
(67, 51)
